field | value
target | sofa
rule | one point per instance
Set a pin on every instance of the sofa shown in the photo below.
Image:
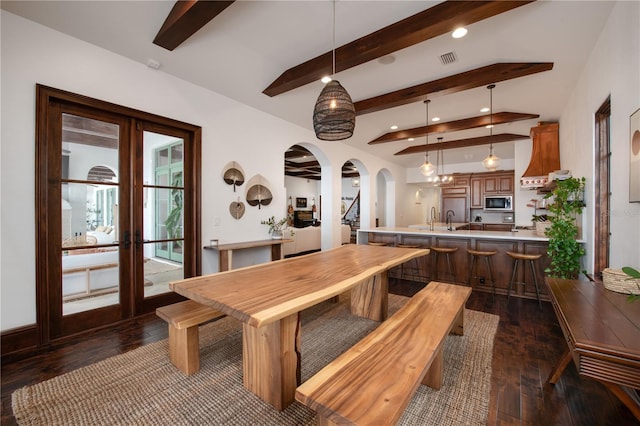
(309, 239)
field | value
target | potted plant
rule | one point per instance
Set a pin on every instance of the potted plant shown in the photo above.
(275, 226)
(567, 201)
(633, 274)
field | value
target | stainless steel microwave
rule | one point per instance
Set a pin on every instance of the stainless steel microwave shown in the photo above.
(498, 203)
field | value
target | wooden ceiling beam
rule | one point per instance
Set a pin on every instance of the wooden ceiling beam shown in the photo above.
(185, 19)
(454, 126)
(462, 143)
(435, 21)
(478, 77)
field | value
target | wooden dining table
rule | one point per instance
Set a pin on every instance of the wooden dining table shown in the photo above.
(268, 299)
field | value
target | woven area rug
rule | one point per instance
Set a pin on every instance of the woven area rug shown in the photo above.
(142, 387)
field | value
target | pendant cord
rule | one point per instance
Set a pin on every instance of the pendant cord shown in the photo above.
(334, 37)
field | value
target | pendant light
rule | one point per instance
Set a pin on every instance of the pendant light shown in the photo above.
(441, 177)
(334, 116)
(492, 162)
(427, 169)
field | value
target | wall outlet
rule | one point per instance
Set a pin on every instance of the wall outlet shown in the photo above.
(216, 221)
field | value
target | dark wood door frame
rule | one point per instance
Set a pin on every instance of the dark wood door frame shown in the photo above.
(602, 188)
(49, 103)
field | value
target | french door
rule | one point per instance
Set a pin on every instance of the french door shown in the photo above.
(117, 211)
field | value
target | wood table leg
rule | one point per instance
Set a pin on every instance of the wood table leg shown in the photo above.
(627, 396)
(276, 252)
(271, 360)
(555, 374)
(225, 260)
(370, 299)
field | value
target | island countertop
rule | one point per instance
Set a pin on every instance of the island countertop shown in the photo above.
(519, 235)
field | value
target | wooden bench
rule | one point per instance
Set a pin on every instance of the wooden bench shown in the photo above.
(183, 319)
(373, 382)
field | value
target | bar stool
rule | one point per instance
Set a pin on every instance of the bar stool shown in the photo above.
(446, 251)
(524, 257)
(410, 267)
(475, 254)
(374, 243)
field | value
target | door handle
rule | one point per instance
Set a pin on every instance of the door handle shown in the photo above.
(139, 240)
(127, 239)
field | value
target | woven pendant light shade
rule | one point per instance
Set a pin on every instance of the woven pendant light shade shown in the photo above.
(334, 116)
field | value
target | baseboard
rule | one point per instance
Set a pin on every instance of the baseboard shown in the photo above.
(18, 339)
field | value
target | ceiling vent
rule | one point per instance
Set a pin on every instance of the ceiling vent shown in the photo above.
(448, 58)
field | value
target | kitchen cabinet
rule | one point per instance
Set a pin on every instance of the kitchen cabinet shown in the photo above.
(459, 204)
(476, 193)
(498, 184)
(492, 183)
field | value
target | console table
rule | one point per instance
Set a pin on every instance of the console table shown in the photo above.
(602, 331)
(226, 250)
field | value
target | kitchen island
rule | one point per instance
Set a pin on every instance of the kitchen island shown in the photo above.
(522, 241)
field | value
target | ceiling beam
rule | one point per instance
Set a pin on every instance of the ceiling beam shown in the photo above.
(462, 143)
(185, 19)
(455, 83)
(454, 126)
(437, 20)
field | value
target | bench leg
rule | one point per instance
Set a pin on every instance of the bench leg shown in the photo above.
(458, 324)
(433, 378)
(184, 349)
(271, 360)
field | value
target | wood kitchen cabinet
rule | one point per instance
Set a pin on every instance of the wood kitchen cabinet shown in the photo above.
(456, 199)
(491, 183)
(499, 184)
(476, 193)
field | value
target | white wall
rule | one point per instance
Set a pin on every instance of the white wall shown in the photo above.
(34, 54)
(613, 69)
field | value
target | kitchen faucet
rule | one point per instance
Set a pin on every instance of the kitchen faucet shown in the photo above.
(449, 214)
(433, 217)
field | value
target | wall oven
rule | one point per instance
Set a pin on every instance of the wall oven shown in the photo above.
(498, 203)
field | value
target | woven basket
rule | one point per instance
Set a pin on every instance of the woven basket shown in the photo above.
(541, 228)
(618, 281)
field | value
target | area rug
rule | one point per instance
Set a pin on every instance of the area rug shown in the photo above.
(142, 387)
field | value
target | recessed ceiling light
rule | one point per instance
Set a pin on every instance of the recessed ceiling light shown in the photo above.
(394, 127)
(489, 126)
(485, 109)
(435, 119)
(411, 139)
(459, 32)
(325, 79)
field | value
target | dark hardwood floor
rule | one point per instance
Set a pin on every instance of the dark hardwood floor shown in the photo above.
(527, 345)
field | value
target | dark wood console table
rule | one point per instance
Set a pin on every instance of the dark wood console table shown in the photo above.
(602, 331)
(226, 250)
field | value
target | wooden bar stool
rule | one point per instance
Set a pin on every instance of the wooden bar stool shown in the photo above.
(446, 251)
(486, 255)
(524, 257)
(411, 267)
(374, 243)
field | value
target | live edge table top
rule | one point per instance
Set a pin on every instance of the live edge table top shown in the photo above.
(261, 294)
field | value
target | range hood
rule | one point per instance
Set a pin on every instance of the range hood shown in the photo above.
(545, 155)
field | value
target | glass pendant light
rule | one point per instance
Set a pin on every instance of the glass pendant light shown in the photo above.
(427, 169)
(334, 116)
(492, 162)
(442, 177)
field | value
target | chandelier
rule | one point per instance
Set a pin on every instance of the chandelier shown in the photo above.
(441, 177)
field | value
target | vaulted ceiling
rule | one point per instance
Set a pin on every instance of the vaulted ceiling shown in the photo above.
(390, 56)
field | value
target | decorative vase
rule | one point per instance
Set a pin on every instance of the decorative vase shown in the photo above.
(276, 234)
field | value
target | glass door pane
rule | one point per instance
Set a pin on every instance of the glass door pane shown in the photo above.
(89, 187)
(163, 212)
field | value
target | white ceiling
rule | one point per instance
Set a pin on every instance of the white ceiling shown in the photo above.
(241, 51)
